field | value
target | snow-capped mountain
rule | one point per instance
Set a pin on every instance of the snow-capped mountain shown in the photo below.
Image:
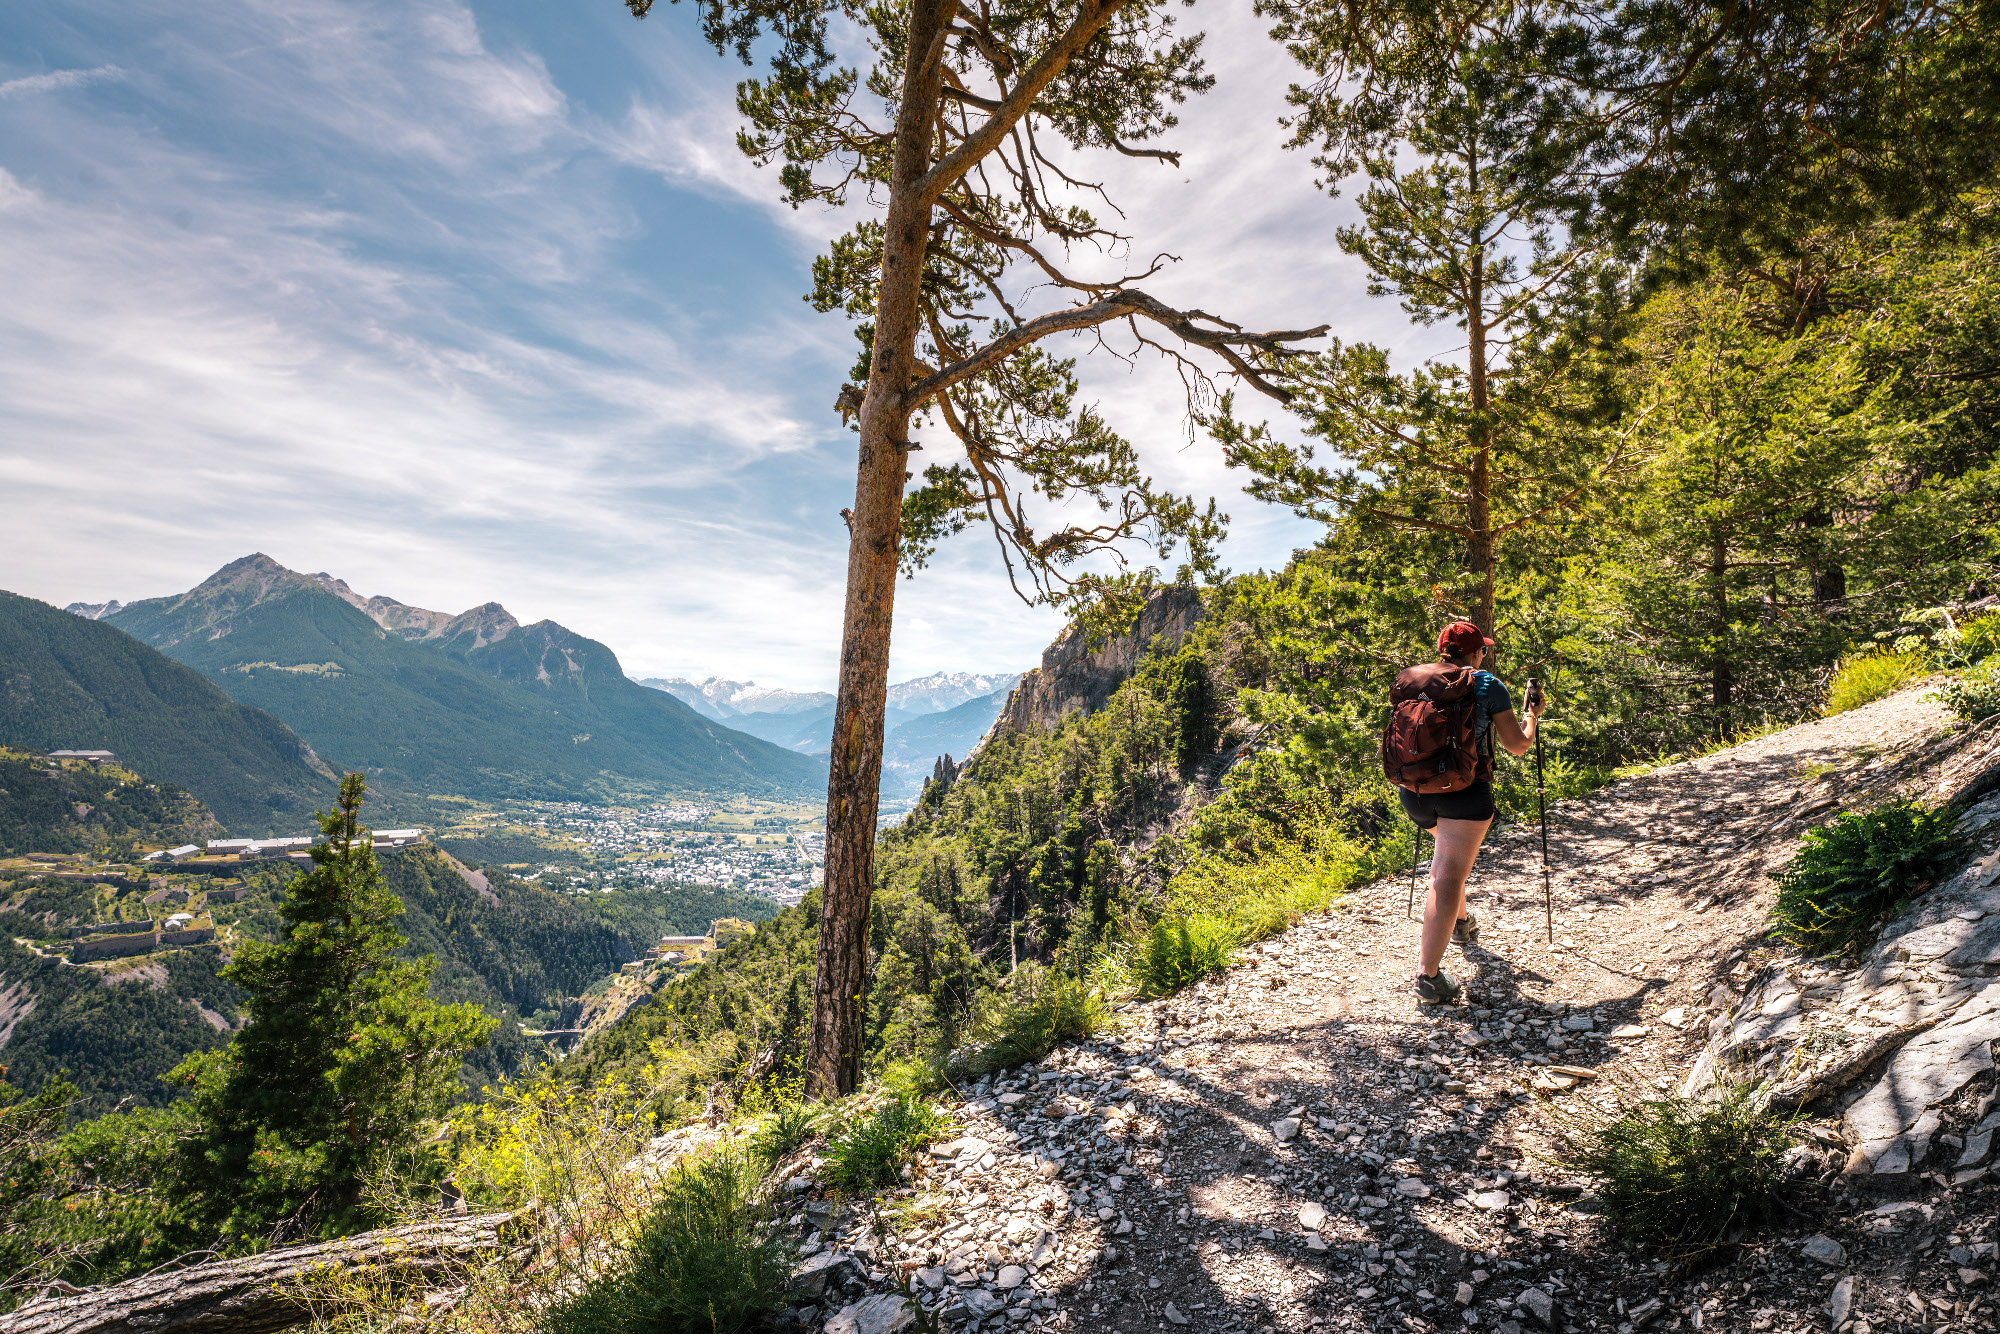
(722, 700)
(947, 690)
(803, 720)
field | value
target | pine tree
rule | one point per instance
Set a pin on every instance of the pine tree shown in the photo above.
(344, 1060)
(1479, 232)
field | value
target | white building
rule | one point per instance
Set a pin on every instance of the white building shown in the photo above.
(397, 838)
(182, 853)
(220, 846)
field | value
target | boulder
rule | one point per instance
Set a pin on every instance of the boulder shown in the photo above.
(877, 1313)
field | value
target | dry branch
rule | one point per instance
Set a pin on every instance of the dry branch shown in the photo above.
(254, 1294)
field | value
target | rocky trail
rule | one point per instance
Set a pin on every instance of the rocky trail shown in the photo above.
(1296, 1145)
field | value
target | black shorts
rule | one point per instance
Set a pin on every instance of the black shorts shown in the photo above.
(1427, 808)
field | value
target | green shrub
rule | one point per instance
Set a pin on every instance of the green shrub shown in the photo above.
(1025, 1019)
(1179, 951)
(1866, 676)
(1851, 874)
(913, 1077)
(785, 1129)
(707, 1259)
(1980, 638)
(870, 1149)
(1678, 1173)
(1973, 694)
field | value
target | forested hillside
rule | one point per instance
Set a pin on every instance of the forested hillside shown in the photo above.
(105, 809)
(71, 684)
(1786, 489)
(484, 708)
(515, 950)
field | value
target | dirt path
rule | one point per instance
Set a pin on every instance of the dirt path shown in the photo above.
(1296, 1145)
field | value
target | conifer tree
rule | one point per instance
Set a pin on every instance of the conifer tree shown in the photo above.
(344, 1060)
(963, 143)
(1478, 232)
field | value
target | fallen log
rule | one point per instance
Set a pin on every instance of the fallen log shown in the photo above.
(256, 1294)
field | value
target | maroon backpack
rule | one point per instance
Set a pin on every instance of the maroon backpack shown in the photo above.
(1429, 744)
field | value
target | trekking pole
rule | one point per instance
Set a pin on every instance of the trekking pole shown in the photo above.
(1542, 811)
(1416, 851)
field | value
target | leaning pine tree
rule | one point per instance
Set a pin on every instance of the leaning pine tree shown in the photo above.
(964, 141)
(345, 1059)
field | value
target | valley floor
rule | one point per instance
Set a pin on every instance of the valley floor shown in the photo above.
(1296, 1145)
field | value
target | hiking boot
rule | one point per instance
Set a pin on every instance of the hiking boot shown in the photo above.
(1465, 932)
(1440, 988)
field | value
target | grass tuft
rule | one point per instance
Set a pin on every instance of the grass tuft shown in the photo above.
(1866, 676)
(706, 1260)
(872, 1148)
(785, 1129)
(1678, 1173)
(1179, 951)
(1025, 1019)
(1852, 873)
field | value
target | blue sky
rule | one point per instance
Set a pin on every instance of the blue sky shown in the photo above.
(477, 301)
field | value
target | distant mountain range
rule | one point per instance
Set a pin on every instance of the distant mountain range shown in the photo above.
(473, 704)
(944, 713)
(68, 684)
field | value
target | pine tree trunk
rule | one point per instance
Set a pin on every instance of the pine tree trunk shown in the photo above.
(1721, 678)
(1478, 504)
(833, 1055)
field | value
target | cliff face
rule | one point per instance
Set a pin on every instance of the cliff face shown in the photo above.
(1074, 676)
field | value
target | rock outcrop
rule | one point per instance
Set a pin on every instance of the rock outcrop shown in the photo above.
(1075, 676)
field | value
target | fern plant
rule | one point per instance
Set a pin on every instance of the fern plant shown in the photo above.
(1853, 873)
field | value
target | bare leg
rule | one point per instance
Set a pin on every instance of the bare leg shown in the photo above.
(1457, 845)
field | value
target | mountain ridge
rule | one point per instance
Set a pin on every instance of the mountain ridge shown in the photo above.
(67, 682)
(473, 704)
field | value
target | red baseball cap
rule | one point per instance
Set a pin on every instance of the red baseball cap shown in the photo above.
(1460, 638)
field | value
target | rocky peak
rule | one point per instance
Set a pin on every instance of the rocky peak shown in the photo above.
(1074, 676)
(485, 624)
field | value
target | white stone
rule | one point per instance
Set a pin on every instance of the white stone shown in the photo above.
(1011, 1099)
(1464, 1294)
(1841, 1302)
(880, 1313)
(979, 1301)
(1285, 1129)
(1311, 1216)
(1492, 1199)
(1825, 1250)
(1010, 1277)
(930, 1277)
(1630, 1031)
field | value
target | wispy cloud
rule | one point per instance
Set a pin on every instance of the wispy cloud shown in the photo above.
(461, 308)
(33, 85)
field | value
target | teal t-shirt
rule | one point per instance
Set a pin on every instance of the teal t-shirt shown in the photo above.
(1491, 698)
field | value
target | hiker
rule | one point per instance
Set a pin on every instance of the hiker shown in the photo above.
(1438, 751)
